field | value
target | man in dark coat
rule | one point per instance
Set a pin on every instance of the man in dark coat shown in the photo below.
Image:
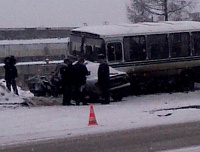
(79, 80)
(66, 76)
(104, 79)
(11, 73)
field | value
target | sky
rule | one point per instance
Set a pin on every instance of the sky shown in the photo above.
(61, 13)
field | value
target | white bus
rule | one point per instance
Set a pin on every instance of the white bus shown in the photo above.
(163, 54)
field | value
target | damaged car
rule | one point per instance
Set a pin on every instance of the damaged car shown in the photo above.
(119, 84)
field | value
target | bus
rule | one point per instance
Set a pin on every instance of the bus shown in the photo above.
(156, 56)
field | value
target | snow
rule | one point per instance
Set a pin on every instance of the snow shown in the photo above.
(193, 149)
(21, 124)
(141, 28)
(35, 41)
(7, 97)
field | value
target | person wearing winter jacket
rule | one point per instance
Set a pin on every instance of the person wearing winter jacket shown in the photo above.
(11, 73)
(104, 79)
(66, 76)
(80, 72)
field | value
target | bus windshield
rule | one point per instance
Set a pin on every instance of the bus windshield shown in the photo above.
(89, 48)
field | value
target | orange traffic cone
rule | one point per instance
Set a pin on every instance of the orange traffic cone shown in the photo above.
(92, 119)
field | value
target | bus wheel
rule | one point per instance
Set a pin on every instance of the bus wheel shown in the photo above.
(187, 79)
(191, 85)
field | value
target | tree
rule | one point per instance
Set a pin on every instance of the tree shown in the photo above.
(145, 10)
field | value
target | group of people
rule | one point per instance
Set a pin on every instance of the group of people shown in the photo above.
(74, 80)
(11, 73)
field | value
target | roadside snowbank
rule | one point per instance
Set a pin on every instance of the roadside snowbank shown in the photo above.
(7, 97)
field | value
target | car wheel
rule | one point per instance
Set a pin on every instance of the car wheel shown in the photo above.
(117, 97)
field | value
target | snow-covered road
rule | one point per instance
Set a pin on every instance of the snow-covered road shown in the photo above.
(189, 149)
(24, 124)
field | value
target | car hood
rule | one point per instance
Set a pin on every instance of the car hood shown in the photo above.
(93, 68)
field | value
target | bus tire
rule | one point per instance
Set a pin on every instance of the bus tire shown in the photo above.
(187, 80)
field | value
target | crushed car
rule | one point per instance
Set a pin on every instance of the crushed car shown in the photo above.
(119, 84)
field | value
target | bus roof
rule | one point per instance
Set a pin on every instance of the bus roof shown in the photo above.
(144, 28)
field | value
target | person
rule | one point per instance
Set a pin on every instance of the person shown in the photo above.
(80, 72)
(66, 76)
(11, 73)
(104, 79)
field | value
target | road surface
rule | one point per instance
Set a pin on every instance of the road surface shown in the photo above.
(149, 139)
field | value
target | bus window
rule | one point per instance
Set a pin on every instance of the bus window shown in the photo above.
(87, 47)
(91, 52)
(114, 51)
(180, 45)
(135, 48)
(158, 46)
(196, 43)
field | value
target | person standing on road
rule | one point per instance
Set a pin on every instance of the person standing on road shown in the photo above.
(80, 72)
(66, 76)
(104, 79)
(11, 73)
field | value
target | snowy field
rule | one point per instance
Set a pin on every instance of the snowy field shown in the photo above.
(21, 124)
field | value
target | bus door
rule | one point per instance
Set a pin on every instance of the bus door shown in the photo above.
(114, 51)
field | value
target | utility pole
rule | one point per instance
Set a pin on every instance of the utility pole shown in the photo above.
(165, 10)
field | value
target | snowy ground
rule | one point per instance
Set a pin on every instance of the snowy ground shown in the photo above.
(24, 124)
(190, 149)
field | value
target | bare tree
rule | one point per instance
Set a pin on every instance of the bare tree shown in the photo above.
(145, 10)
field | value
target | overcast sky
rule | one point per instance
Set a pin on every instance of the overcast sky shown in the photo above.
(43, 13)
(61, 13)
